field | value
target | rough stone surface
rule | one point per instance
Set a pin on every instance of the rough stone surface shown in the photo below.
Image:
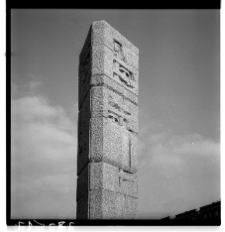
(105, 102)
(131, 207)
(84, 70)
(107, 185)
(104, 62)
(83, 184)
(104, 34)
(82, 208)
(109, 177)
(95, 204)
(103, 80)
(83, 134)
(105, 204)
(112, 143)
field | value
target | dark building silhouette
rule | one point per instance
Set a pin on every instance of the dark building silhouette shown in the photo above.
(212, 211)
(188, 215)
(204, 215)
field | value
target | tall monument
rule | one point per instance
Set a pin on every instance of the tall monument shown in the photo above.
(107, 186)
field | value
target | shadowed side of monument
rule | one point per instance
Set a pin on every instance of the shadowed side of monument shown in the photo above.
(107, 186)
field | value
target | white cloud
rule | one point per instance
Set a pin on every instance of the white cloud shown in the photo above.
(177, 173)
(43, 153)
(31, 88)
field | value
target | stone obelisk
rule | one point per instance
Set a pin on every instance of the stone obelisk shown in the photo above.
(107, 186)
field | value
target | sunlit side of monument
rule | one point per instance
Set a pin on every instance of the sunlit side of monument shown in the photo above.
(107, 186)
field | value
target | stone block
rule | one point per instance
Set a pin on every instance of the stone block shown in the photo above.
(107, 103)
(99, 101)
(103, 80)
(113, 205)
(95, 204)
(96, 175)
(83, 135)
(96, 139)
(105, 204)
(131, 207)
(109, 177)
(128, 183)
(84, 70)
(104, 62)
(131, 58)
(86, 46)
(125, 75)
(83, 92)
(83, 184)
(112, 143)
(118, 147)
(83, 209)
(133, 152)
(104, 176)
(103, 33)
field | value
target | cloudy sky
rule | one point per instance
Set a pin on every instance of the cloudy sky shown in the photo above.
(179, 108)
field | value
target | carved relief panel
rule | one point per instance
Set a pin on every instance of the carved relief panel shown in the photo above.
(122, 74)
(107, 103)
(123, 112)
(128, 183)
(118, 51)
(120, 70)
(120, 116)
(119, 146)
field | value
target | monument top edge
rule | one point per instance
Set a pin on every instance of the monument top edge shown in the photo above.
(104, 26)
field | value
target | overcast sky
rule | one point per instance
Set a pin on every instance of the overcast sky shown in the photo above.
(179, 108)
